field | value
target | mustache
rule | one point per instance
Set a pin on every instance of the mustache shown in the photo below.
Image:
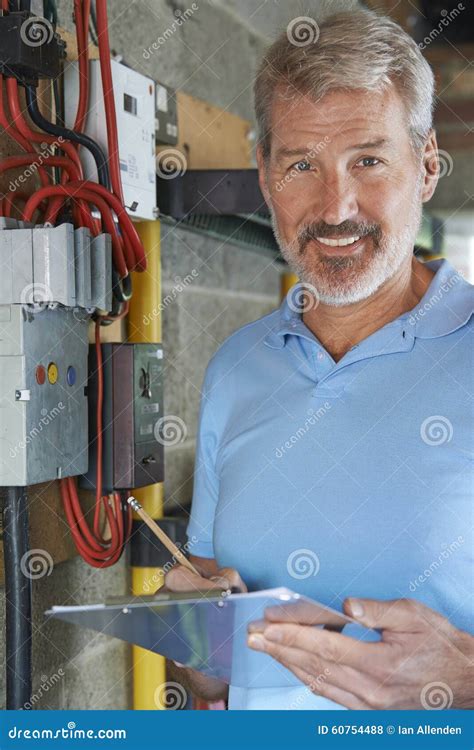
(349, 228)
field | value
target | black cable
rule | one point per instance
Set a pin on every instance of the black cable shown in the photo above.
(18, 597)
(93, 24)
(69, 135)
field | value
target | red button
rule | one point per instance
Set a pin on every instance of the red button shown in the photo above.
(40, 374)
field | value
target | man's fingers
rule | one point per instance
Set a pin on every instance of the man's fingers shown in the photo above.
(180, 578)
(402, 615)
(332, 647)
(233, 578)
(323, 672)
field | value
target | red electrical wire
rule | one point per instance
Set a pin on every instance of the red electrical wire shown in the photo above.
(109, 101)
(127, 250)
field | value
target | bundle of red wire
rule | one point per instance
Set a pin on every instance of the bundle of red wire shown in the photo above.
(128, 252)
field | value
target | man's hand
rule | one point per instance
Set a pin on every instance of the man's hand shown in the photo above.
(180, 578)
(422, 660)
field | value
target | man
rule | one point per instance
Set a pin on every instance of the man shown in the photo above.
(335, 440)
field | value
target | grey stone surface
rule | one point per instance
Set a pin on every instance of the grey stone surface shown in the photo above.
(195, 324)
(214, 263)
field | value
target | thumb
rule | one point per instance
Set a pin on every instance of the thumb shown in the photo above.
(402, 615)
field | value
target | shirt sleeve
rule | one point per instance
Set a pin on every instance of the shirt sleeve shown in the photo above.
(206, 482)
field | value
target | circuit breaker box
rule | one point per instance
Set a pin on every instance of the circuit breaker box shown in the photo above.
(43, 404)
(135, 104)
(133, 454)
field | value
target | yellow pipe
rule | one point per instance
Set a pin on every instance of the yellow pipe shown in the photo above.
(144, 325)
(287, 279)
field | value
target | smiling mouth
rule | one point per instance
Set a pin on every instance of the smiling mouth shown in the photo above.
(337, 242)
(339, 245)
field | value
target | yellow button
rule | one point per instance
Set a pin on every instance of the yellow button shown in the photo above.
(52, 372)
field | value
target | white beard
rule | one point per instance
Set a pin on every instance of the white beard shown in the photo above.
(344, 280)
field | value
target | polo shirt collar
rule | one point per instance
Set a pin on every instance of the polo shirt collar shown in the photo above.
(447, 305)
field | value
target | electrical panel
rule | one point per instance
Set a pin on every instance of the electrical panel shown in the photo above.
(51, 280)
(43, 405)
(166, 119)
(135, 109)
(133, 454)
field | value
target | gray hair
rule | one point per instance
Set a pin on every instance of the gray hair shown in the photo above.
(348, 50)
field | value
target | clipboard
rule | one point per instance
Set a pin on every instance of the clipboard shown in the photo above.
(207, 631)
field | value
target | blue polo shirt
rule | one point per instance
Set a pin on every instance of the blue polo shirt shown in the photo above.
(342, 478)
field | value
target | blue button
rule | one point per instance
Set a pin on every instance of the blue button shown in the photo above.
(71, 375)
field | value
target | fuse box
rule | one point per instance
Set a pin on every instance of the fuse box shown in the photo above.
(133, 453)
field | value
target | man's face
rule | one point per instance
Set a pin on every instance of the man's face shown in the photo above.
(343, 169)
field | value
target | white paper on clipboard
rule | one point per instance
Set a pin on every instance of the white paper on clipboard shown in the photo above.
(209, 633)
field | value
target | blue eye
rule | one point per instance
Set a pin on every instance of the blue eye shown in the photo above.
(302, 166)
(372, 159)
